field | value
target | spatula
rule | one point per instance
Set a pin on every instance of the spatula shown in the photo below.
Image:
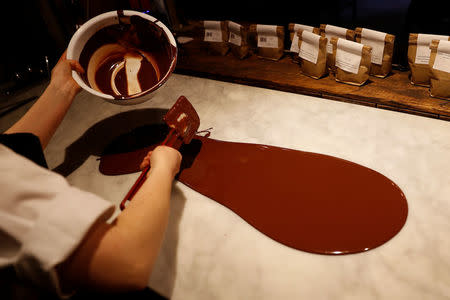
(183, 121)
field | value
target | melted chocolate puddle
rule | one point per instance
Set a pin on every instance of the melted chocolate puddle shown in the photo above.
(307, 201)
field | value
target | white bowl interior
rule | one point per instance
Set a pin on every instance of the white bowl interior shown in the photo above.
(88, 29)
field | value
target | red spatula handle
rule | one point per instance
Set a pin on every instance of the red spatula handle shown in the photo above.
(171, 141)
(134, 188)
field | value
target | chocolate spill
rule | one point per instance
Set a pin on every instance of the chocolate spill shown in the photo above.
(307, 201)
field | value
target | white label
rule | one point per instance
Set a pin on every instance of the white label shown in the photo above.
(235, 39)
(423, 47)
(334, 31)
(374, 39)
(338, 31)
(213, 32)
(329, 45)
(235, 33)
(348, 55)
(309, 49)
(297, 27)
(377, 50)
(267, 41)
(442, 61)
(294, 45)
(267, 36)
(235, 27)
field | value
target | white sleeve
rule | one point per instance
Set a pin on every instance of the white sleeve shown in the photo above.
(42, 218)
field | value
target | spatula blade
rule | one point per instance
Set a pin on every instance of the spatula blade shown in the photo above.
(183, 117)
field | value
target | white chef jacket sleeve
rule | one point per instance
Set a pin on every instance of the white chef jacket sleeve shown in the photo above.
(42, 218)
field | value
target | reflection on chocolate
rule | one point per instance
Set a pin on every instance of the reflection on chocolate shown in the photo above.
(307, 201)
(128, 58)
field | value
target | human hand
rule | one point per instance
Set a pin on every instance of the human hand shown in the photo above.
(62, 75)
(163, 158)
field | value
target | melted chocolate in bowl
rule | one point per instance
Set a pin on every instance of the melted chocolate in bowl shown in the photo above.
(128, 59)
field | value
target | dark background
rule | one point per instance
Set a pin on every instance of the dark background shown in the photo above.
(34, 29)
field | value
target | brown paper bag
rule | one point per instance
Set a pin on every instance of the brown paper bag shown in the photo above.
(215, 36)
(330, 31)
(293, 28)
(350, 53)
(313, 53)
(440, 69)
(238, 39)
(382, 50)
(419, 57)
(269, 40)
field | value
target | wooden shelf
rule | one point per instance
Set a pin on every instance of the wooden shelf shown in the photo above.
(394, 92)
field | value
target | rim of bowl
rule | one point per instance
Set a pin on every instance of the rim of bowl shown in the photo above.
(113, 14)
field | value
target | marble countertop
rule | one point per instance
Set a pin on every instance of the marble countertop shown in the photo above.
(211, 253)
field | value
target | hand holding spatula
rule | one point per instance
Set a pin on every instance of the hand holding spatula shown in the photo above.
(183, 121)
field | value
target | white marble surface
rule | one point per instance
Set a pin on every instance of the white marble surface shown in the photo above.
(211, 253)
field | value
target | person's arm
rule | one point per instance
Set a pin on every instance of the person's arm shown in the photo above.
(44, 117)
(120, 256)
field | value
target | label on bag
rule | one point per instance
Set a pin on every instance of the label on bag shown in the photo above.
(294, 45)
(442, 61)
(374, 39)
(348, 55)
(213, 32)
(334, 31)
(309, 50)
(297, 27)
(267, 36)
(423, 47)
(235, 33)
